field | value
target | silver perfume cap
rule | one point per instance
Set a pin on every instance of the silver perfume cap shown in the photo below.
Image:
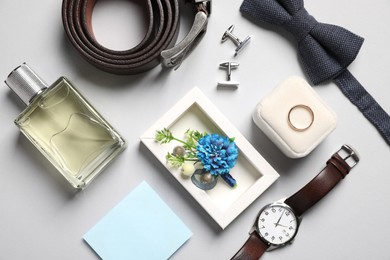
(25, 83)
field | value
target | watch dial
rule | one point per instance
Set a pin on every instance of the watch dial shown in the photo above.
(277, 224)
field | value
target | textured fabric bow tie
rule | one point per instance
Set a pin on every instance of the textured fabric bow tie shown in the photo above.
(325, 52)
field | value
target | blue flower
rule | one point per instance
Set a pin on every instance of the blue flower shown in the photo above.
(218, 154)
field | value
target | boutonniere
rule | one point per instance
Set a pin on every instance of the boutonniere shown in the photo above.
(201, 156)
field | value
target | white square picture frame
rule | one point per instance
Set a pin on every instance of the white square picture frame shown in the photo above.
(252, 172)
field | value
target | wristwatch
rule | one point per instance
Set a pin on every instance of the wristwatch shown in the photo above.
(277, 223)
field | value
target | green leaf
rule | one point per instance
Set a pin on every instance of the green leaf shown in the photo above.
(175, 161)
(163, 136)
(192, 138)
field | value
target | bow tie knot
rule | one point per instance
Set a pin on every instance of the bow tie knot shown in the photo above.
(300, 24)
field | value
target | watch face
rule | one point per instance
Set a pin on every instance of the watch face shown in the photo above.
(277, 224)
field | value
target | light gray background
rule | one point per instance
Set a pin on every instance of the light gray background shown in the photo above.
(40, 216)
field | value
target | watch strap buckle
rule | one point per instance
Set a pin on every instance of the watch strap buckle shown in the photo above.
(349, 155)
(174, 56)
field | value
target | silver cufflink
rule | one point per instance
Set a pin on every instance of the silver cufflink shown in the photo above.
(229, 66)
(240, 44)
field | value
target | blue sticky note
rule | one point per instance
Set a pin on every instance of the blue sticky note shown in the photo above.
(141, 226)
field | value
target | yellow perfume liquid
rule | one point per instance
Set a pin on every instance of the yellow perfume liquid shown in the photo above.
(65, 128)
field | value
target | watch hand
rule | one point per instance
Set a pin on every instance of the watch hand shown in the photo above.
(281, 215)
(276, 224)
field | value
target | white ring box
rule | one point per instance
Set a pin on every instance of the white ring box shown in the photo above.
(271, 116)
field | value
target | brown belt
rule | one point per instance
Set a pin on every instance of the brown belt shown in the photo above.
(155, 48)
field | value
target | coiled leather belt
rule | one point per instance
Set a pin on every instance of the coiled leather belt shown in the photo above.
(155, 48)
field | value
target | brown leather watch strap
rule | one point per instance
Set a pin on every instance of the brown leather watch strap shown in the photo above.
(336, 169)
(253, 248)
(161, 34)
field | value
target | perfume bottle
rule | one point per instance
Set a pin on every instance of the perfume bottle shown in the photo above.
(64, 126)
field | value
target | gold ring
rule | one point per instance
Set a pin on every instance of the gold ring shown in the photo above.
(298, 127)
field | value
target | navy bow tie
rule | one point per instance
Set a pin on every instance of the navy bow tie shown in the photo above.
(324, 50)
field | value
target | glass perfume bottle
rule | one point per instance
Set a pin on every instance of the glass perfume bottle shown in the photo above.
(64, 126)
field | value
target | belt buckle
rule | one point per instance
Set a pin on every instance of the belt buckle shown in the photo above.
(174, 56)
(206, 4)
(348, 155)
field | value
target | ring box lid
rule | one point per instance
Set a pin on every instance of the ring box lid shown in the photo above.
(271, 116)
